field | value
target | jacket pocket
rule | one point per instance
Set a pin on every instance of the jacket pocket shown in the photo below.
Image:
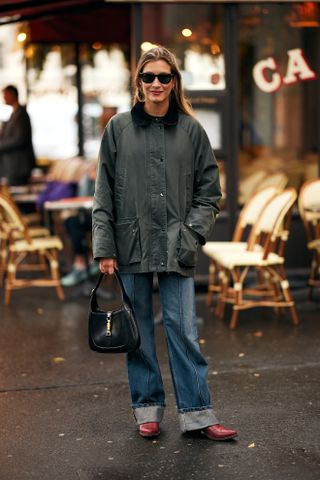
(188, 249)
(127, 235)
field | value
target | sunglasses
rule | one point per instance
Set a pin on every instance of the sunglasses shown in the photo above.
(164, 78)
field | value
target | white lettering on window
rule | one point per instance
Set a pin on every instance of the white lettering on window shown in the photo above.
(297, 67)
(265, 84)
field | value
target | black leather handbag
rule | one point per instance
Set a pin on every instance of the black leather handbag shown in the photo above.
(113, 331)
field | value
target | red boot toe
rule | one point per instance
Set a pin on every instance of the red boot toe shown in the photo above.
(219, 432)
(150, 429)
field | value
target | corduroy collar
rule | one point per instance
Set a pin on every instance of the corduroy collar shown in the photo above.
(140, 117)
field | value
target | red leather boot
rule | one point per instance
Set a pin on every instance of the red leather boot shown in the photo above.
(150, 429)
(219, 432)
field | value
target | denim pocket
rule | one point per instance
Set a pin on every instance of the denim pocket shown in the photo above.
(127, 233)
(188, 249)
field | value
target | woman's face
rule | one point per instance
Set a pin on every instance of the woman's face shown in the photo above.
(157, 93)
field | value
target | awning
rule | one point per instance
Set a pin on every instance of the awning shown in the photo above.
(69, 20)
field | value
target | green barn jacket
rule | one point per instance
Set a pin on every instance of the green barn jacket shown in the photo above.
(157, 192)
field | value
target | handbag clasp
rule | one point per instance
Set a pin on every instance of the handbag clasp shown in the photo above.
(108, 326)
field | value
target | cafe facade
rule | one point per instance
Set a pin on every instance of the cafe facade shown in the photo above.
(251, 71)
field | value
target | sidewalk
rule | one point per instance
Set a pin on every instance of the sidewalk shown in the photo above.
(65, 415)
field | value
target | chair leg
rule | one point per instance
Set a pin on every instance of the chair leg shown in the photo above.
(277, 295)
(3, 261)
(55, 274)
(7, 294)
(2, 269)
(237, 286)
(288, 298)
(234, 319)
(314, 279)
(212, 270)
(60, 292)
(221, 304)
(10, 277)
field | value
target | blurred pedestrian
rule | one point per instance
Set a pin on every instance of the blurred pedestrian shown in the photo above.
(79, 228)
(16, 150)
(156, 199)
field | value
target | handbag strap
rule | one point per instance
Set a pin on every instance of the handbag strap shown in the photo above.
(93, 297)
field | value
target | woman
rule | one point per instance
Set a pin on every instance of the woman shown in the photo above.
(156, 198)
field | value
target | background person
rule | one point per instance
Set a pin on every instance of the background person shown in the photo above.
(156, 198)
(79, 228)
(16, 150)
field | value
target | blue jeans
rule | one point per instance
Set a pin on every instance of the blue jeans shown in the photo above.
(188, 367)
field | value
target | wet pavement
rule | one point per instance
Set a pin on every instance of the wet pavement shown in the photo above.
(65, 409)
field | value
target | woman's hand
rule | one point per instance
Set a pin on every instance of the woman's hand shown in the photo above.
(107, 265)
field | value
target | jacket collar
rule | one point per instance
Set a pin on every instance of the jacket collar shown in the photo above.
(140, 117)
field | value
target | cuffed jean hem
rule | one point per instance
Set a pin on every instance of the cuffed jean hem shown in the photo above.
(150, 413)
(196, 419)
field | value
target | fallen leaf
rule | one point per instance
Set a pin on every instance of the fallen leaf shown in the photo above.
(252, 445)
(241, 355)
(256, 374)
(258, 334)
(58, 360)
(202, 341)
(214, 373)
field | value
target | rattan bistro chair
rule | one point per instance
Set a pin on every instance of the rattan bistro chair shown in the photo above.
(265, 255)
(249, 215)
(309, 208)
(22, 247)
(9, 231)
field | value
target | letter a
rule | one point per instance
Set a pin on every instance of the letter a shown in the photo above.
(297, 67)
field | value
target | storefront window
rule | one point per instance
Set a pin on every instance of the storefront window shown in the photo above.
(105, 88)
(279, 53)
(52, 101)
(195, 34)
(53, 95)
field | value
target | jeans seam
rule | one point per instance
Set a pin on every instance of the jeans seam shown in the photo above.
(186, 346)
(140, 351)
(195, 409)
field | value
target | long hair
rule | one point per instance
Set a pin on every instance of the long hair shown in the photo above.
(162, 53)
